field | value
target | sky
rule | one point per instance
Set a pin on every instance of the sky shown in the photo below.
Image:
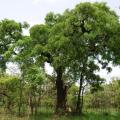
(34, 12)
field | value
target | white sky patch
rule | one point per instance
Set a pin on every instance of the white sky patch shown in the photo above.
(36, 1)
(12, 69)
(109, 76)
(52, 0)
(48, 69)
(39, 1)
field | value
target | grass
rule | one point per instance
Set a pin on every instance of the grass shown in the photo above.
(47, 114)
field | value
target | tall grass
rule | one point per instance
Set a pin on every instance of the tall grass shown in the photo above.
(48, 114)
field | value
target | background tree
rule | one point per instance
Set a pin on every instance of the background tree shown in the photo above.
(90, 36)
(10, 32)
(34, 77)
(9, 88)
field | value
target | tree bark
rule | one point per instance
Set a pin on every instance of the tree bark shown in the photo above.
(79, 99)
(61, 92)
(31, 103)
(21, 97)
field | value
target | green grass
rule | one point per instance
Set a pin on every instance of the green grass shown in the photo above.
(87, 116)
(48, 114)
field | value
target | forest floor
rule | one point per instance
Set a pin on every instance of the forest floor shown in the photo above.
(48, 115)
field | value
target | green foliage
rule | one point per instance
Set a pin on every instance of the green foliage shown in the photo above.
(9, 88)
(10, 33)
(9, 83)
(107, 98)
(72, 97)
(39, 33)
(73, 43)
(35, 76)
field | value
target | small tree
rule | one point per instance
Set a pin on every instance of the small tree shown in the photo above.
(34, 78)
(9, 91)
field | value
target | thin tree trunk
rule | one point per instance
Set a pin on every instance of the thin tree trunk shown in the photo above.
(82, 100)
(79, 99)
(20, 100)
(9, 104)
(36, 104)
(31, 103)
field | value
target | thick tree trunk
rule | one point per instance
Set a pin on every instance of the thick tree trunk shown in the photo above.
(79, 99)
(61, 92)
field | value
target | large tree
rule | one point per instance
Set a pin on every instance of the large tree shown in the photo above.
(81, 36)
(78, 36)
(90, 29)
